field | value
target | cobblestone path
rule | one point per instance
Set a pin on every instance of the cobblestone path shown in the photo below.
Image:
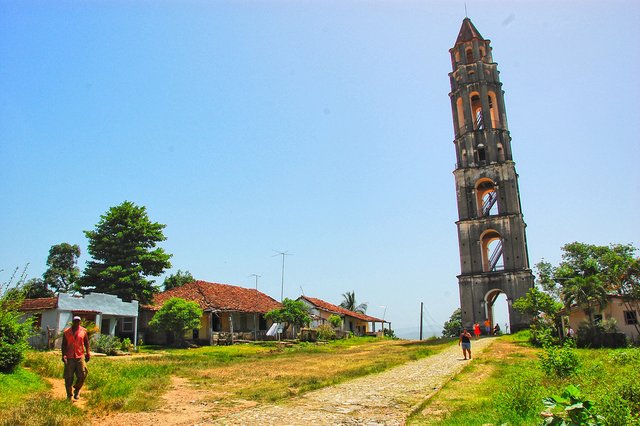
(386, 398)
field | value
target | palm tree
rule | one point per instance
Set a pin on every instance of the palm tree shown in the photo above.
(349, 303)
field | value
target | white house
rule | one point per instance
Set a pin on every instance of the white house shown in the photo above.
(53, 314)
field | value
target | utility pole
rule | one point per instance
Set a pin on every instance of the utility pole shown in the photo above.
(255, 314)
(283, 254)
(421, 311)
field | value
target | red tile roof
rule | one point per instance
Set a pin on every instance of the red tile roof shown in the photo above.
(326, 306)
(40, 304)
(219, 297)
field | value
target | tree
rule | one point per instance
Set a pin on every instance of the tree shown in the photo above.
(123, 247)
(293, 312)
(35, 288)
(545, 313)
(178, 279)
(349, 303)
(453, 327)
(582, 278)
(177, 316)
(63, 272)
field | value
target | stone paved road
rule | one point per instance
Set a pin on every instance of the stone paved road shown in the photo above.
(386, 398)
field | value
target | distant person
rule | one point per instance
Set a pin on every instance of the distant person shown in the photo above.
(476, 330)
(570, 332)
(496, 329)
(487, 326)
(75, 355)
(465, 341)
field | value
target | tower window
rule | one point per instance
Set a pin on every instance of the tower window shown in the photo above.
(492, 251)
(482, 155)
(469, 53)
(486, 198)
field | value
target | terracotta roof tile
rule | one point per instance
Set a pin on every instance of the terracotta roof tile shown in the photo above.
(40, 304)
(339, 309)
(220, 297)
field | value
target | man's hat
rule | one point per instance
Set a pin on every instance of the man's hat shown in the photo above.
(77, 318)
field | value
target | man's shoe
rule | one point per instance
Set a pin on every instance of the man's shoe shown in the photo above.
(76, 393)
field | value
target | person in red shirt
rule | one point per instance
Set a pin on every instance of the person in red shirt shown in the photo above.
(75, 355)
(476, 330)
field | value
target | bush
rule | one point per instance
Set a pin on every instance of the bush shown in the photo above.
(326, 332)
(570, 408)
(126, 345)
(13, 334)
(335, 321)
(561, 361)
(106, 344)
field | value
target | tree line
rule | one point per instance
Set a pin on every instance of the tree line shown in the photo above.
(124, 257)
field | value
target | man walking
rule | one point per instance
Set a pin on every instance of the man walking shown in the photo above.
(75, 355)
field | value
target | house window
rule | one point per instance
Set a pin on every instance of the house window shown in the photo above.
(127, 325)
(630, 317)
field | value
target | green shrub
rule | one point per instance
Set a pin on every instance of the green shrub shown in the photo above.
(335, 321)
(106, 344)
(326, 332)
(126, 345)
(561, 361)
(625, 357)
(570, 408)
(13, 334)
(614, 410)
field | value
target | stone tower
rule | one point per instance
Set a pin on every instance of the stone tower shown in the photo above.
(491, 229)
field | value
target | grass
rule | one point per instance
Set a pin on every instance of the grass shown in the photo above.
(506, 384)
(229, 375)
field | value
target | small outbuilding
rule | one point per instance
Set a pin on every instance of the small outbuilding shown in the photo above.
(354, 322)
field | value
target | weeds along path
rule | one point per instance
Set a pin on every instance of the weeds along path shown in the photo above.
(386, 398)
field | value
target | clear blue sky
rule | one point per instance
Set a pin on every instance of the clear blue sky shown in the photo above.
(318, 127)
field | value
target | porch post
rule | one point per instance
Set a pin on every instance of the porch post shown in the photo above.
(231, 325)
(135, 331)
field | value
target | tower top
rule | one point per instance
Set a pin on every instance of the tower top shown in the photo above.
(468, 32)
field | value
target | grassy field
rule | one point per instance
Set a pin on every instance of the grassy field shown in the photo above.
(506, 385)
(229, 374)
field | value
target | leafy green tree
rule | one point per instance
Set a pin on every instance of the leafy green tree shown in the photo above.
(35, 288)
(585, 276)
(177, 316)
(123, 247)
(293, 312)
(349, 303)
(63, 272)
(545, 313)
(178, 279)
(453, 327)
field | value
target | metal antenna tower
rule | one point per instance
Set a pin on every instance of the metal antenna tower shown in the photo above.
(283, 254)
(257, 276)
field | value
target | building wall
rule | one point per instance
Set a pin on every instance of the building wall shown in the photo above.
(614, 309)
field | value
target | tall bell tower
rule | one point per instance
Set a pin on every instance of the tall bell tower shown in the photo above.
(491, 229)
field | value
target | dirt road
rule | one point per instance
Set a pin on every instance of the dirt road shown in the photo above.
(380, 399)
(386, 398)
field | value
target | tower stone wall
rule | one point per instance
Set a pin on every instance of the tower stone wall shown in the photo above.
(491, 227)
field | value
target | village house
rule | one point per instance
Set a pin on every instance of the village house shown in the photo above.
(625, 314)
(229, 313)
(354, 322)
(51, 315)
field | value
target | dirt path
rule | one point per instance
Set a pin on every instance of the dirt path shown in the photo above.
(59, 392)
(380, 399)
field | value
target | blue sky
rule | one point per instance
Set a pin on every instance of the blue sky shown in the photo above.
(322, 128)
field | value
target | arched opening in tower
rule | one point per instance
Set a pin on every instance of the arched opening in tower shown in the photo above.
(486, 197)
(497, 311)
(492, 250)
